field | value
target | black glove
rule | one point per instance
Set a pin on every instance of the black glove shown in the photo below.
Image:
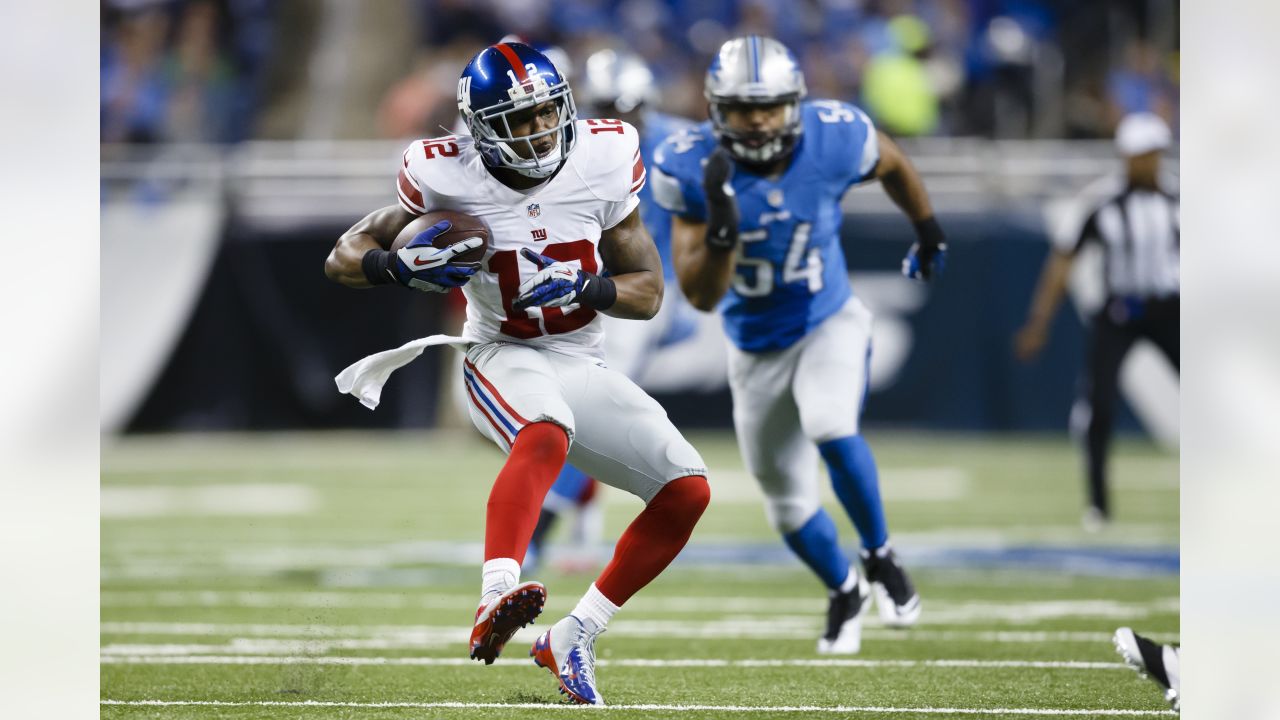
(722, 204)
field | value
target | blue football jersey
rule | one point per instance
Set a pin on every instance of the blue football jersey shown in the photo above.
(790, 273)
(658, 127)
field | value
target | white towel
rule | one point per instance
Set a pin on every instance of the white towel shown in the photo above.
(365, 378)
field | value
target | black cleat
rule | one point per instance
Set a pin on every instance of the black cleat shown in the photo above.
(844, 620)
(896, 598)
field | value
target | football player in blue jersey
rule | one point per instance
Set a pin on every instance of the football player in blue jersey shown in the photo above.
(756, 196)
(618, 84)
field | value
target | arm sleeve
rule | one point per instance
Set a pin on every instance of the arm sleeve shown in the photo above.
(408, 191)
(867, 142)
(616, 212)
(675, 190)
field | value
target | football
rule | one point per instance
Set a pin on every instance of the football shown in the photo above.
(463, 227)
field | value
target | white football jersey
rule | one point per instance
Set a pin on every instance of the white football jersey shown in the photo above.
(561, 219)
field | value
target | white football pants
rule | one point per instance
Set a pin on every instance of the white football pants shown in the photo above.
(617, 433)
(786, 403)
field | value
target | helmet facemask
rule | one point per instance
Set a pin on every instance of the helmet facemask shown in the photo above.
(491, 128)
(752, 147)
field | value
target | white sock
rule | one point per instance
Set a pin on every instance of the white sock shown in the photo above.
(880, 552)
(851, 581)
(594, 606)
(498, 576)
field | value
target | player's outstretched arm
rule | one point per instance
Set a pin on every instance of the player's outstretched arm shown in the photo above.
(901, 181)
(1049, 292)
(904, 186)
(635, 268)
(376, 231)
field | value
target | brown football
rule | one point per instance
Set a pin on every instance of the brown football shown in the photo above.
(464, 227)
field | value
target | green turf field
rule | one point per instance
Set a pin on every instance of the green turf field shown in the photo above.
(335, 575)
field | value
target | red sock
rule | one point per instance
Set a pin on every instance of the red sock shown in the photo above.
(588, 492)
(516, 498)
(654, 538)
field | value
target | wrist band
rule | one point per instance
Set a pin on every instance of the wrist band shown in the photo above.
(599, 293)
(929, 232)
(375, 265)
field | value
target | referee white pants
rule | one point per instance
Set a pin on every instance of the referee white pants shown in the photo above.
(787, 402)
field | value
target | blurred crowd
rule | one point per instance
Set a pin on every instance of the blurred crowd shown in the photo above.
(194, 69)
(184, 71)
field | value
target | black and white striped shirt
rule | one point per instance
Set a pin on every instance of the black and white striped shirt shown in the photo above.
(1138, 230)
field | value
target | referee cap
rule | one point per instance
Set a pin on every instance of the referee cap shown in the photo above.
(1141, 133)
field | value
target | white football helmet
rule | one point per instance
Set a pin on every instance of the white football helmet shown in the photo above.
(755, 70)
(619, 80)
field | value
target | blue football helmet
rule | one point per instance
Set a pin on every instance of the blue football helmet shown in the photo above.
(755, 70)
(508, 78)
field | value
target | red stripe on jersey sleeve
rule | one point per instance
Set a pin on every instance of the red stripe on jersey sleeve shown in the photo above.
(637, 170)
(410, 196)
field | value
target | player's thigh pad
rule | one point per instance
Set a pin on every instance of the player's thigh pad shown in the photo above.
(623, 436)
(510, 386)
(774, 448)
(830, 382)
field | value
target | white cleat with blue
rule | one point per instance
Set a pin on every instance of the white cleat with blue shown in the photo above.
(568, 650)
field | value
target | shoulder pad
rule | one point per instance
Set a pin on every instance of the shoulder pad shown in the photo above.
(442, 166)
(608, 158)
(677, 172)
(682, 153)
(844, 137)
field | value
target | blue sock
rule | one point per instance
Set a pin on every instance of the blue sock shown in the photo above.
(818, 546)
(857, 484)
(567, 488)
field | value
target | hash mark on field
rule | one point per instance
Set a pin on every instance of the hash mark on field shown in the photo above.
(705, 708)
(129, 659)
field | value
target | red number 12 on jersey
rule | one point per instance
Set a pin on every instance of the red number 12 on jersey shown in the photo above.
(519, 323)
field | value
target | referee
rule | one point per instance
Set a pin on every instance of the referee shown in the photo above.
(1137, 229)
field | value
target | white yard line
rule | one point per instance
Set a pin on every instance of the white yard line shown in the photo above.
(731, 626)
(620, 662)
(936, 611)
(988, 712)
(443, 637)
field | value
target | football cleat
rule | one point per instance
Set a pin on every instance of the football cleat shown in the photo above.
(1153, 660)
(568, 651)
(844, 620)
(500, 618)
(896, 598)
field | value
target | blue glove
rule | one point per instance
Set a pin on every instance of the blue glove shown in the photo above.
(554, 285)
(923, 262)
(422, 266)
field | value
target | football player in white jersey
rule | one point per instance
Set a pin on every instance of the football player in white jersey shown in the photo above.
(559, 196)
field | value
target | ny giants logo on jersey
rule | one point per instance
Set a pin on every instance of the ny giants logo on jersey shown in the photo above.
(539, 233)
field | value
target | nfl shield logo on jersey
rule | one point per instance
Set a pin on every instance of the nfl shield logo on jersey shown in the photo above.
(534, 210)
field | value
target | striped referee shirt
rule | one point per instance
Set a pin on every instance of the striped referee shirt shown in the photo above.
(1137, 229)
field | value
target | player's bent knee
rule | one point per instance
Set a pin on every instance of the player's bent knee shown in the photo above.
(544, 440)
(788, 514)
(688, 495)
